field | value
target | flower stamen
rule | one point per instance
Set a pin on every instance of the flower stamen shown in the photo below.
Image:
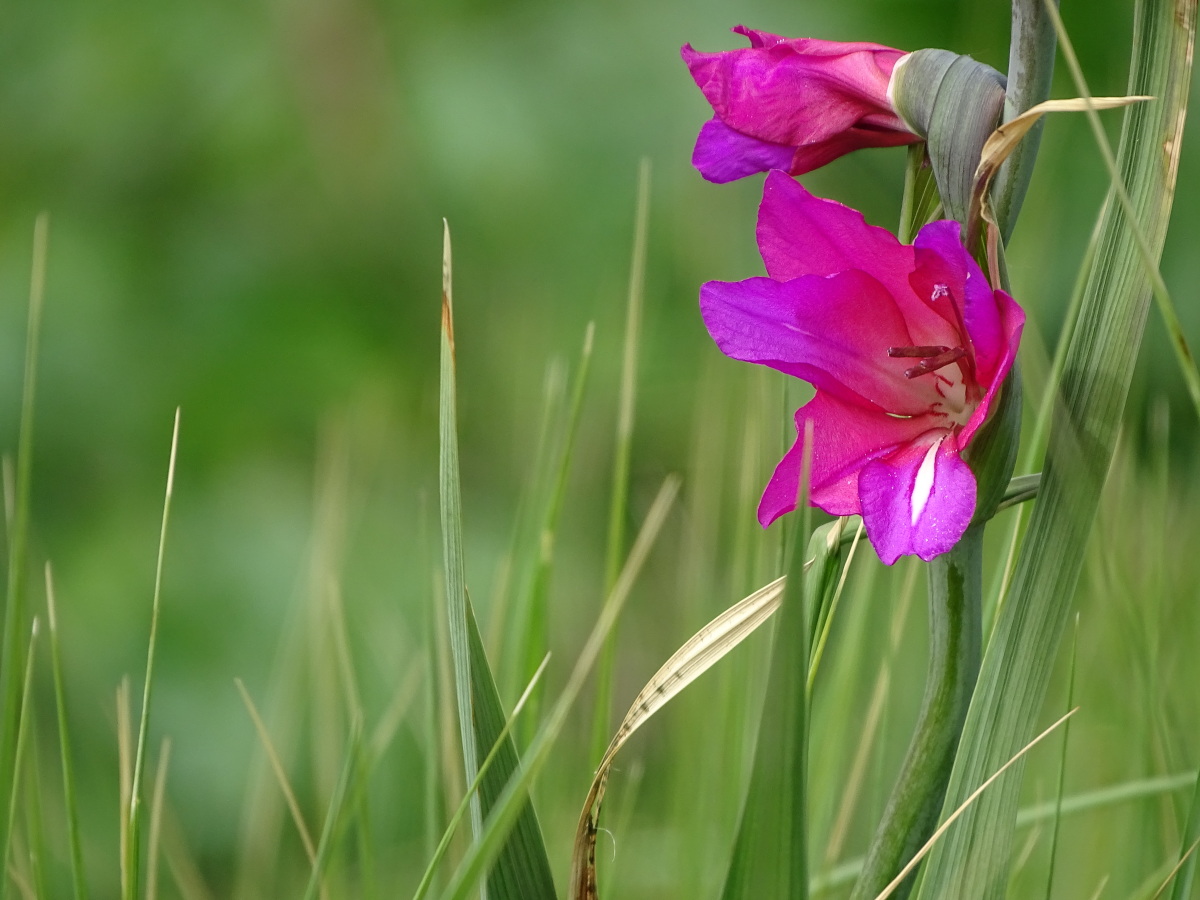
(932, 358)
(916, 352)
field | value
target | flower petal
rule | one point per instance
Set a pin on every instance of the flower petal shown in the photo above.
(918, 500)
(832, 332)
(845, 438)
(797, 91)
(799, 234)
(946, 272)
(723, 155)
(819, 153)
(1012, 322)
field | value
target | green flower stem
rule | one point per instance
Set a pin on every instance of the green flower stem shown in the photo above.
(955, 595)
(1030, 71)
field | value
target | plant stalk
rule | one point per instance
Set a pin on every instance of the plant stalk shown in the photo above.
(1030, 70)
(955, 604)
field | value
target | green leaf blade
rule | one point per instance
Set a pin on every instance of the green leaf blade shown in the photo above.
(521, 870)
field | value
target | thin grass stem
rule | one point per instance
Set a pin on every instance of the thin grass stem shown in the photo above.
(329, 834)
(827, 623)
(124, 776)
(22, 737)
(953, 817)
(12, 647)
(133, 846)
(277, 767)
(78, 877)
(615, 550)
(156, 816)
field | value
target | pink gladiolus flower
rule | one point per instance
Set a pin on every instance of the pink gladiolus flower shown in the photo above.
(792, 104)
(907, 347)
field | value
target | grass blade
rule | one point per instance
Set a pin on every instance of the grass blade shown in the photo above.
(124, 775)
(973, 860)
(78, 878)
(531, 621)
(964, 806)
(1088, 801)
(276, 764)
(1186, 873)
(770, 853)
(450, 494)
(522, 870)
(156, 814)
(337, 802)
(12, 647)
(134, 822)
(1062, 766)
(624, 447)
(509, 804)
(22, 736)
(444, 844)
(1149, 256)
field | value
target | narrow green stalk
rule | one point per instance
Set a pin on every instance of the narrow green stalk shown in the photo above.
(337, 802)
(1030, 70)
(615, 553)
(78, 881)
(133, 843)
(156, 814)
(955, 610)
(35, 823)
(535, 632)
(12, 649)
(22, 735)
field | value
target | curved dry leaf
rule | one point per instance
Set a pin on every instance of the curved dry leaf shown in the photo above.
(1004, 139)
(688, 663)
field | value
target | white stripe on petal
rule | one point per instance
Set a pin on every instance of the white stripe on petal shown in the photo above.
(923, 485)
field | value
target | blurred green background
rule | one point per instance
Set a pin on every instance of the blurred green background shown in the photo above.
(245, 208)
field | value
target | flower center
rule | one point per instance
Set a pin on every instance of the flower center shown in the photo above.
(953, 398)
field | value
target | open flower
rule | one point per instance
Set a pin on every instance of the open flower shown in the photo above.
(792, 104)
(907, 347)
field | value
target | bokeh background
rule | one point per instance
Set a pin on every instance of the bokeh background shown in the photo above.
(246, 204)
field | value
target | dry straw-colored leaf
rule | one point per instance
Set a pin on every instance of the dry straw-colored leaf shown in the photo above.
(689, 662)
(1002, 142)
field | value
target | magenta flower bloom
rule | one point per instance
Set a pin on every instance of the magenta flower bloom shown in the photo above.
(907, 347)
(792, 104)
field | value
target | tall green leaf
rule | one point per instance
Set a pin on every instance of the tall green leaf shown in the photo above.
(522, 868)
(973, 857)
(770, 853)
